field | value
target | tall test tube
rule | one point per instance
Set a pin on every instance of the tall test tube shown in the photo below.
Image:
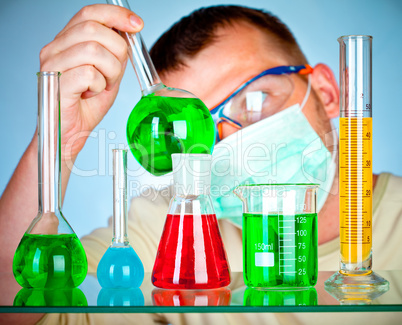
(355, 165)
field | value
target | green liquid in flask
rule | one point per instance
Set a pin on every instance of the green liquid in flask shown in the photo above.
(50, 261)
(280, 250)
(160, 126)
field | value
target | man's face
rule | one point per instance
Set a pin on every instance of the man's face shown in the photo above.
(240, 52)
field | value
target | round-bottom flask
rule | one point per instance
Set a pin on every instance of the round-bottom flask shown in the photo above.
(49, 254)
(120, 266)
(166, 120)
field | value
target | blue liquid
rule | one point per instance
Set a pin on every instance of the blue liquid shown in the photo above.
(120, 267)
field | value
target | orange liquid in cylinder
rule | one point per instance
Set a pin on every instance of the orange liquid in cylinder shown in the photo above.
(355, 188)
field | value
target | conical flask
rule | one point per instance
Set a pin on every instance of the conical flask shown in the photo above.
(49, 254)
(166, 120)
(191, 253)
(120, 266)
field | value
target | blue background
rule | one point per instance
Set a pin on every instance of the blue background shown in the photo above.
(26, 26)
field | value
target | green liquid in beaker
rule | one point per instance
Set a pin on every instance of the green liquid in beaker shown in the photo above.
(159, 126)
(50, 261)
(280, 250)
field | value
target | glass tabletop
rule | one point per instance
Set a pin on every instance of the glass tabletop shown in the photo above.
(89, 297)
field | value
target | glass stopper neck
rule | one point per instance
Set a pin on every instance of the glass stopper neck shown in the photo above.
(192, 174)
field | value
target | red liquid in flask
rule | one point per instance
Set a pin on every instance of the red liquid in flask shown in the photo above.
(191, 254)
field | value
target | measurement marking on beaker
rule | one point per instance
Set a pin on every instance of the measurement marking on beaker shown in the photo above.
(263, 246)
(287, 259)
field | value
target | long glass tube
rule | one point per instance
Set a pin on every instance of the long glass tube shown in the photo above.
(144, 68)
(48, 136)
(49, 183)
(120, 198)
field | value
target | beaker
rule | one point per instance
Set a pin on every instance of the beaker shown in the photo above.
(191, 253)
(279, 235)
(49, 254)
(120, 266)
(355, 166)
(166, 120)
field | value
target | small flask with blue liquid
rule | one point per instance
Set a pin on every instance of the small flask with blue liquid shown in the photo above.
(120, 266)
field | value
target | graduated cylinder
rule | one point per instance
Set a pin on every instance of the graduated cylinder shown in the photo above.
(355, 154)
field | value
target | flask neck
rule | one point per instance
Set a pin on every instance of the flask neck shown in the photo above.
(191, 174)
(140, 59)
(144, 68)
(120, 237)
(49, 172)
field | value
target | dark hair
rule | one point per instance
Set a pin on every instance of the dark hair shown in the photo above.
(196, 31)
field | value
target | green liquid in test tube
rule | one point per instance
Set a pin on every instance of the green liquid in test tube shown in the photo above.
(166, 120)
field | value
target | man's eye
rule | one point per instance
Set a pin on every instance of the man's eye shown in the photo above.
(255, 101)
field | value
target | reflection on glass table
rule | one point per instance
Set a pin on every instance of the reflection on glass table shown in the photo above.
(211, 297)
(120, 297)
(237, 298)
(274, 297)
(50, 297)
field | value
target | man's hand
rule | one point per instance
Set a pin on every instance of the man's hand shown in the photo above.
(91, 57)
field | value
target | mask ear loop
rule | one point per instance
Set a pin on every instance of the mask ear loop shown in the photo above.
(307, 92)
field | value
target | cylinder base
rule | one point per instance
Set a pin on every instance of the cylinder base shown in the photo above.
(357, 287)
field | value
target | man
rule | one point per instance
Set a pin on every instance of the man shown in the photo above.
(210, 53)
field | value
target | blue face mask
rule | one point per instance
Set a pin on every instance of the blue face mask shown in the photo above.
(282, 148)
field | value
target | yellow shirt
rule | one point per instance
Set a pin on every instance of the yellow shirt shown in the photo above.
(145, 224)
